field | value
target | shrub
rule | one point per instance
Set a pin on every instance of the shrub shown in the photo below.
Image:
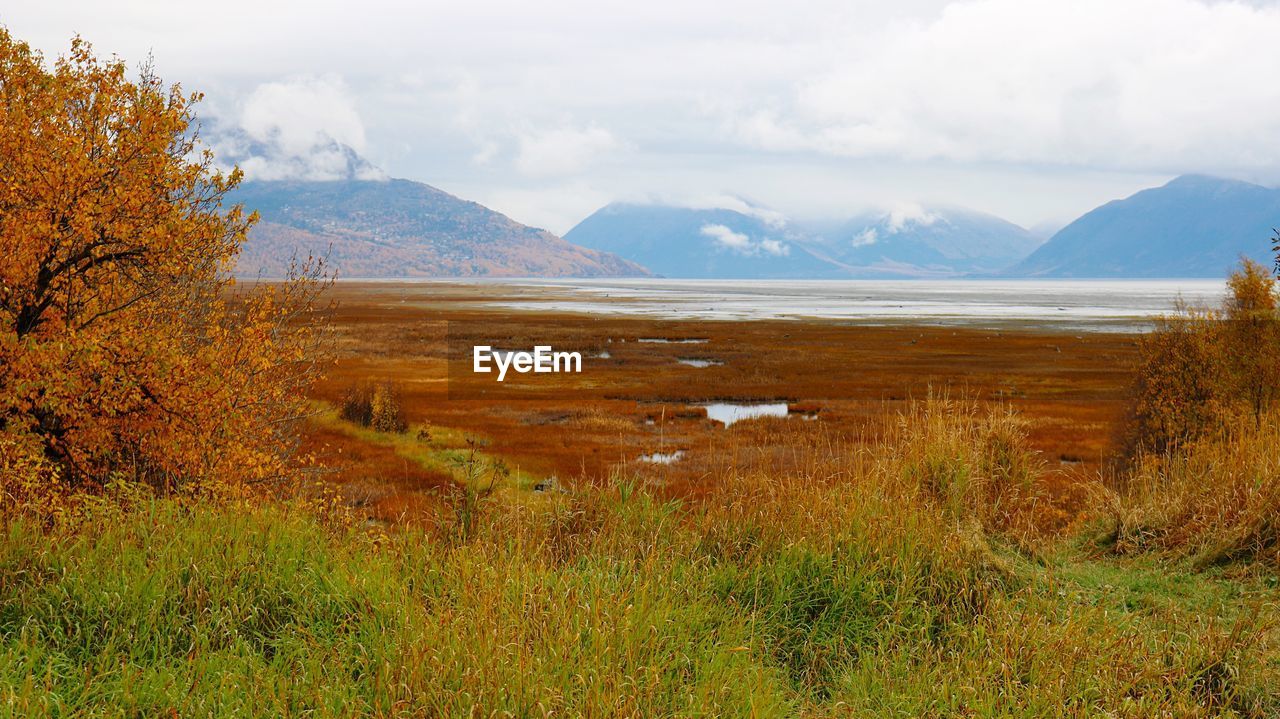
(374, 405)
(125, 347)
(385, 412)
(1203, 479)
(357, 405)
(1200, 368)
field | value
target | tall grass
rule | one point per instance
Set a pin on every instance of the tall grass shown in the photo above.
(1212, 500)
(864, 580)
(1203, 480)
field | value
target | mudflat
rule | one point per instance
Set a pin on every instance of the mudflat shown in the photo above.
(639, 406)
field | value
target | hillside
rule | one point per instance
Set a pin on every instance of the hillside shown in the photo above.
(701, 243)
(399, 228)
(927, 242)
(723, 243)
(1194, 226)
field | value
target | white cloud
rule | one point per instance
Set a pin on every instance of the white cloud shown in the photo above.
(301, 113)
(866, 237)
(563, 151)
(1141, 84)
(741, 243)
(905, 214)
(306, 128)
(1025, 108)
(727, 237)
(770, 217)
(775, 247)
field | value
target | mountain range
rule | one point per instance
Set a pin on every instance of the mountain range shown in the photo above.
(399, 228)
(723, 243)
(1194, 226)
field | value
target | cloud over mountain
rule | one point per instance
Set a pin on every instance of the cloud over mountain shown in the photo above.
(303, 129)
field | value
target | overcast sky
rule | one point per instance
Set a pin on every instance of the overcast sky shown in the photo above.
(1035, 110)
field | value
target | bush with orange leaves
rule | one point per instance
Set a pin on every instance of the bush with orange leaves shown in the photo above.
(1204, 480)
(1204, 368)
(126, 351)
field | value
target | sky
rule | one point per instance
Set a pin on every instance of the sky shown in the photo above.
(1034, 110)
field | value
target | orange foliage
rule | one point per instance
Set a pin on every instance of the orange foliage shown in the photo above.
(1201, 368)
(125, 350)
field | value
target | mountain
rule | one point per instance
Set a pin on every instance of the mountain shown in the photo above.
(926, 242)
(723, 243)
(399, 228)
(713, 243)
(1194, 226)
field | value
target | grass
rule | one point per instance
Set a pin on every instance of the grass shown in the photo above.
(1214, 501)
(432, 447)
(857, 582)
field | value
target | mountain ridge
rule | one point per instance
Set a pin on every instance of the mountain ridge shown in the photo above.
(375, 228)
(1192, 226)
(726, 243)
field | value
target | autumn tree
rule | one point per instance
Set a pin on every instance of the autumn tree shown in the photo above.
(1203, 367)
(125, 347)
(1252, 337)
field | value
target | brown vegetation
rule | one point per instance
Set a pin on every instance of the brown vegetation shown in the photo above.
(1203, 368)
(1204, 480)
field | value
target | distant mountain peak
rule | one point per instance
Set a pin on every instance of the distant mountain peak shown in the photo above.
(738, 242)
(270, 158)
(1199, 182)
(1192, 226)
(401, 228)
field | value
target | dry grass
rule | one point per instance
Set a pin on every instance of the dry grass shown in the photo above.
(835, 579)
(1214, 499)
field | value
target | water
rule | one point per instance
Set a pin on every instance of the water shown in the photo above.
(663, 457)
(700, 363)
(730, 412)
(1088, 305)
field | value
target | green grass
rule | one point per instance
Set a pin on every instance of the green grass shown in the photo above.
(444, 449)
(616, 605)
(859, 585)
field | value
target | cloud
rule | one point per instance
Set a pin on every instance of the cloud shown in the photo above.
(774, 247)
(1025, 108)
(866, 237)
(727, 237)
(306, 129)
(563, 151)
(905, 214)
(741, 243)
(772, 218)
(1143, 84)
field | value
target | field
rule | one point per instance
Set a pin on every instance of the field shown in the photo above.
(937, 527)
(838, 380)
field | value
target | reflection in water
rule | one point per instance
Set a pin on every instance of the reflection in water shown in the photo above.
(695, 362)
(730, 412)
(663, 457)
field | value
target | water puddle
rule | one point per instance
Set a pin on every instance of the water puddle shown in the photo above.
(663, 457)
(695, 362)
(730, 412)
